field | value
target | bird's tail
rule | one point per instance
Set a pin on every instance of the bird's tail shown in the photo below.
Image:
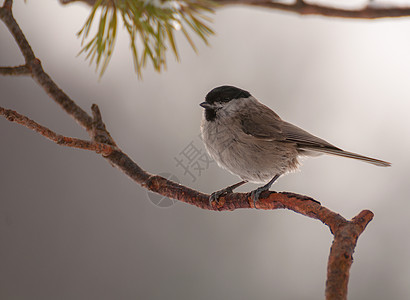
(340, 152)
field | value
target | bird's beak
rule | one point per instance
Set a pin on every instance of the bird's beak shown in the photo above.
(205, 105)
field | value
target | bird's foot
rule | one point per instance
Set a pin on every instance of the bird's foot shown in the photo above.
(216, 195)
(256, 193)
(228, 190)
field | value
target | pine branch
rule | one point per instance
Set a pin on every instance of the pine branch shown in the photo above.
(151, 26)
(370, 11)
(153, 23)
(300, 7)
(345, 232)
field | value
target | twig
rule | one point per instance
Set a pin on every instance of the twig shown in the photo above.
(100, 133)
(15, 71)
(37, 72)
(345, 232)
(8, 19)
(302, 8)
(59, 139)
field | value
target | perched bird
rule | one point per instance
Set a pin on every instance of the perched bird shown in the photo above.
(251, 141)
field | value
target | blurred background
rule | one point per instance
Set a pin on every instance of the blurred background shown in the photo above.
(73, 227)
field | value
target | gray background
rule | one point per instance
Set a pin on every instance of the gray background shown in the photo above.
(73, 227)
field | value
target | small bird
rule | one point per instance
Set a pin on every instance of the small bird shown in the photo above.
(251, 141)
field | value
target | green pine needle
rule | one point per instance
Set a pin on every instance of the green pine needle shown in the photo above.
(151, 25)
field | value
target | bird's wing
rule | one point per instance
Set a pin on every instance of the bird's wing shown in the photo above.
(266, 126)
(308, 142)
(270, 127)
(303, 138)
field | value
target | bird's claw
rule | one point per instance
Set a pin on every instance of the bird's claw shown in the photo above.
(216, 195)
(255, 194)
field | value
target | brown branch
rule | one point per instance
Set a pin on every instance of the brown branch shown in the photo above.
(345, 232)
(59, 139)
(15, 71)
(89, 2)
(8, 4)
(341, 254)
(7, 17)
(37, 72)
(99, 132)
(302, 8)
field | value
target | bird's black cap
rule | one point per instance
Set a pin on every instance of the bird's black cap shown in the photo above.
(225, 93)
